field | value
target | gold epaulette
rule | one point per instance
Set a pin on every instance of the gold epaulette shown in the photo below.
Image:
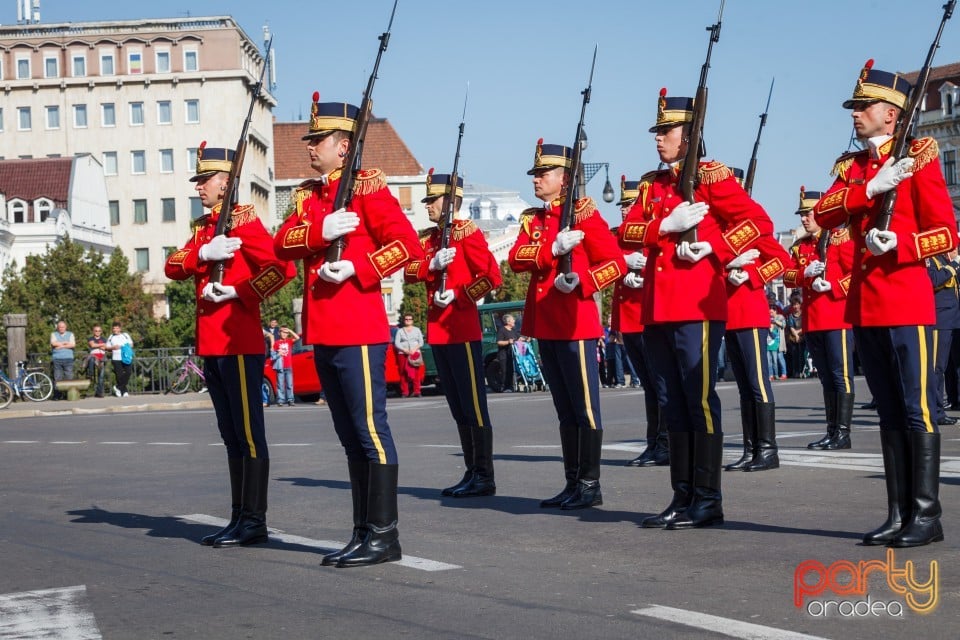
(425, 237)
(650, 176)
(369, 181)
(242, 214)
(309, 184)
(840, 236)
(583, 209)
(713, 172)
(526, 217)
(463, 228)
(842, 164)
(795, 249)
(923, 151)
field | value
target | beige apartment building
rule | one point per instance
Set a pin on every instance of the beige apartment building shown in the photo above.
(139, 96)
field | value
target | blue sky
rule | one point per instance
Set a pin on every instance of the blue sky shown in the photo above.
(527, 62)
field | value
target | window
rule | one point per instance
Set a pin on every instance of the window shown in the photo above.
(166, 160)
(79, 65)
(169, 209)
(23, 68)
(1, 68)
(51, 68)
(138, 162)
(950, 167)
(163, 61)
(53, 117)
(196, 208)
(405, 199)
(114, 206)
(136, 114)
(1, 118)
(948, 103)
(106, 63)
(164, 112)
(190, 60)
(139, 212)
(110, 163)
(80, 116)
(24, 121)
(143, 259)
(134, 63)
(192, 111)
(108, 114)
(192, 157)
(17, 211)
(43, 207)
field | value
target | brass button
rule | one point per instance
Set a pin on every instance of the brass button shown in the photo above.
(863, 267)
(659, 268)
(863, 249)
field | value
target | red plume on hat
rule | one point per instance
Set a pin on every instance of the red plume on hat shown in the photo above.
(313, 106)
(866, 69)
(203, 145)
(803, 191)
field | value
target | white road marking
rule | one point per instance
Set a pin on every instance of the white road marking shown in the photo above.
(20, 441)
(423, 564)
(118, 442)
(68, 442)
(48, 613)
(172, 444)
(726, 626)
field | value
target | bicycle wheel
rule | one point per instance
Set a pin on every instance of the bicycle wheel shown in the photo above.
(6, 394)
(37, 386)
(180, 381)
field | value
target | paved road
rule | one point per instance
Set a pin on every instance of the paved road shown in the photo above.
(102, 511)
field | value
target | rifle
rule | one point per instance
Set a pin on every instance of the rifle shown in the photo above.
(752, 167)
(231, 192)
(566, 214)
(689, 176)
(908, 118)
(452, 201)
(355, 154)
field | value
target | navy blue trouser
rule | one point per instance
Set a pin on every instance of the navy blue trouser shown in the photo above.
(832, 353)
(570, 369)
(747, 353)
(637, 354)
(942, 343)
(234, 386)
(460, 367)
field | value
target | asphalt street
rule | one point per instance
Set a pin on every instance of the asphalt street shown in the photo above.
(102, 513)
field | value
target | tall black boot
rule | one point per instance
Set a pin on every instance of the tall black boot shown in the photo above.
(844, 417)
(236, 495)
(381, 542)
(765, 456)
(570, 448)
(748, 422)
(467, 444)
(706, 508)
(252, 526)
(923, 527)
(895, 446)
(830, 405)
(587, 493)
(661, 452)
(359, 487)
(481, 481)
(681, 480)
(648, 457)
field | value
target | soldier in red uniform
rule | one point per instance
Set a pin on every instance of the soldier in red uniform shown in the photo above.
(453, 327)
(626, 316)
(229, 337)
(890, 303)
(345, 319)
(561, 313)
(685, 307)
(825, 281)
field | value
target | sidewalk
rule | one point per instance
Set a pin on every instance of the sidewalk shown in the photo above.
(109, 404)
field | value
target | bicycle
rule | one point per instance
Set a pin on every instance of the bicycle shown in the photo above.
(183, 378)
(31, 384)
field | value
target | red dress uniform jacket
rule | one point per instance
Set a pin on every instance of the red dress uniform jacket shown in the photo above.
(232, 327)
(823, 311)
(892, 289)
(676, 290)
(626, 307)
(472, 275)
(351, 312)
(747, 306)
(549, 313)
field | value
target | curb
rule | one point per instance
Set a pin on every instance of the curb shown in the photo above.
(124, 408)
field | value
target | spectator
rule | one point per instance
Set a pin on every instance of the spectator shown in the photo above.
(796, 344)
(614, 357)
(120, 370)
(775, 361)
(268, 342)
(283, 352)
(62, 342)
(273, 327)
(94, 360)
(408, 342)
(506, 336)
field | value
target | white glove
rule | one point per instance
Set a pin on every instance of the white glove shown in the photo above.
(737, 277)
(443, 299)
(219, 248)
(633, 280)
(879, 242)
(339, 223)
(635, 261)
(814, 269)
(219, 292)
(890, 175)
(747, 257)
(442, 258)
(336, 272)
(566, 283)
(566, 241)
(694, 251)
(684, 216)
(820, 285)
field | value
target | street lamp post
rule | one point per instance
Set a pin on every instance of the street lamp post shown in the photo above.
(590, 169)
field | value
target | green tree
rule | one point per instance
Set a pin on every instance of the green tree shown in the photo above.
(280, 304)
(514, 285)
(415, 303)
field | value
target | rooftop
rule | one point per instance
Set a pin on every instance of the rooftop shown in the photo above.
(36, 178)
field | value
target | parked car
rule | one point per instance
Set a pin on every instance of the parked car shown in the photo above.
(490, 322)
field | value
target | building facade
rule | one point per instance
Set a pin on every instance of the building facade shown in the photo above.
(940, 119)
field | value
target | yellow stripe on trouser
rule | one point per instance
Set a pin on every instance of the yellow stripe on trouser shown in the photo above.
(585, 385)
(245, 402)
(473, 386)
(368, 404)
(843, 351)
(924, 407)
(759, 367)
(705, 378)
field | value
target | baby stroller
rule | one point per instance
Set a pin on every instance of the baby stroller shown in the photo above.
(527, 368)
